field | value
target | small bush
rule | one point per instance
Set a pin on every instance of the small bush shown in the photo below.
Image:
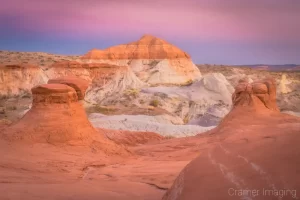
(103, 110)
(186, 119)
(132, 93)
(154, 103)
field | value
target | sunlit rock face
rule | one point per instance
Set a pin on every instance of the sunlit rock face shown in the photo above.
(153, 60)
(57, 117)
(256, 94)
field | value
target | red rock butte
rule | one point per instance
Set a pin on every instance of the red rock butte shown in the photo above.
(255, 148)
(147, 47)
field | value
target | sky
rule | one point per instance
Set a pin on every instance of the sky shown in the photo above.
(211, 31)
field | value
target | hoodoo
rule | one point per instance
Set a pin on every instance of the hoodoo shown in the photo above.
(252, 154)
(80, 85)
(56, 117)
(258, 95)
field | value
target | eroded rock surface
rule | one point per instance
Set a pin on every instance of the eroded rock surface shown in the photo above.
(80, 85)
(153, 60)
(254, 148)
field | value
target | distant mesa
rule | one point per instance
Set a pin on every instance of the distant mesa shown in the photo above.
(153, 60)
(147, 47)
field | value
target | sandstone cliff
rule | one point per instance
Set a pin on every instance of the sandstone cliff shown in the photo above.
(17, 80)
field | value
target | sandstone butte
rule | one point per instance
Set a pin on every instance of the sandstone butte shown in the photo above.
(153, 60)
(148, 47)
(255, 149)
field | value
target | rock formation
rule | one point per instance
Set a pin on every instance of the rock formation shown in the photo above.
(154, 60)
(260, 94)
(203, 102)
(284, 85)
(253, 150)
(148, 47)
(18, 80)
(56, 117)
(107, 80)
(80, 85)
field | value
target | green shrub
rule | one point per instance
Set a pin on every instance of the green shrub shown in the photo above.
(132, 93)
(154, 103)
(103, 110)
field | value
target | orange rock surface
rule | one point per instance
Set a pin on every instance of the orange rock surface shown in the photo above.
(147, 47)
(80, 85)
(261, 94)
(19, 79)
(56, 117)
(255, 149)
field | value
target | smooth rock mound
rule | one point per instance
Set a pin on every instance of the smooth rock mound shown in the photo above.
(255, 148)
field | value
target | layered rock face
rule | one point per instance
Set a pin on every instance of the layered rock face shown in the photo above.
(80, 85)
(19, 79)
(204, 102)
(106, 79)
(154, 60)
(260, 94)
(148, 47)
(56, 117)
(252, 154)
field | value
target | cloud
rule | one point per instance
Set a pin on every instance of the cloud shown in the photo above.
(252, 20)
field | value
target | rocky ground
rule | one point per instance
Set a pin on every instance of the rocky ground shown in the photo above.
(241, 153)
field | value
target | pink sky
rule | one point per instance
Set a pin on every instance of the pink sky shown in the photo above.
(251, 21)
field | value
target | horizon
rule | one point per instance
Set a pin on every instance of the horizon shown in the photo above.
(212, 32)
